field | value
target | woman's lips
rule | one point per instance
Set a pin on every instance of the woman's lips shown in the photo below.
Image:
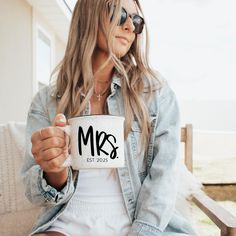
(122, 40)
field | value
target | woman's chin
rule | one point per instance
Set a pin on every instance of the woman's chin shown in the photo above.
(121, 53)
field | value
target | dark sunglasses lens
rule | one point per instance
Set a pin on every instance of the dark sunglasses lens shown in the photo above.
(138, 24)
(123, 16)
(137, 20)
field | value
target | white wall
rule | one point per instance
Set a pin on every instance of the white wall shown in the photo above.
(17, 78)
(15, 59)
(60, 50)
(57, 44)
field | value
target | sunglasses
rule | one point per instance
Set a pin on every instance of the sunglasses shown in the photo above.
(137, 20)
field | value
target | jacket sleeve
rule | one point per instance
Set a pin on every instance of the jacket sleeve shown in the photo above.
(156, 200)
(37, 190)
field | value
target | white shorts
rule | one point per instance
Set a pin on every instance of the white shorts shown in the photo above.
(93, 219)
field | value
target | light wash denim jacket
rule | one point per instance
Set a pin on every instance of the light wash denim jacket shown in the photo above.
(149, 184)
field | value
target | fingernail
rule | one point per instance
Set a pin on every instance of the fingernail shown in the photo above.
(62, 120)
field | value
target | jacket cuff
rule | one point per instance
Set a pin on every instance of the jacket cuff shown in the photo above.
(140, 228)
(50, 193)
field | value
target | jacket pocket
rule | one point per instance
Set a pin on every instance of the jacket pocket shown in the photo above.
(135, 138)
(138, 151)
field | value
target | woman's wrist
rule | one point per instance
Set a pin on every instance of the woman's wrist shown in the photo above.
(57, 180)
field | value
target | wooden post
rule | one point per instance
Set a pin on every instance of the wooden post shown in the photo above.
(189, 147)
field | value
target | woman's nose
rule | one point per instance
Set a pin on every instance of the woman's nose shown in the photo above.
(128, 25)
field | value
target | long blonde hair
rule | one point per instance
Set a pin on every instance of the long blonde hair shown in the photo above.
(75, 74)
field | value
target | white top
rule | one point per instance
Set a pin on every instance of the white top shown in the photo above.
(98, 185)
(96, 208)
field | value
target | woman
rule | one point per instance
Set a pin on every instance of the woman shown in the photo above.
(105, 71)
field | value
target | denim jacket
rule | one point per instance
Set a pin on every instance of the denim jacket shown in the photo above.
(148, 183)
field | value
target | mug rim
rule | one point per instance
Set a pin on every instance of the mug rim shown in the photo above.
(96, 116)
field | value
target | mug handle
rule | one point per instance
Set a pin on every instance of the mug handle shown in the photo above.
(67, 130)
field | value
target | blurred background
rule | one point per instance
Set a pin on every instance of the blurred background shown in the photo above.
(192, 44)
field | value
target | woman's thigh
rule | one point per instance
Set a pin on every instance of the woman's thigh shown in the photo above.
(51, 233)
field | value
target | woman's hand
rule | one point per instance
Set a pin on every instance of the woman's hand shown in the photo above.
(50, 150)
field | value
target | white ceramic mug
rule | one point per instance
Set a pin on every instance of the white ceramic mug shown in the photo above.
(96, 141)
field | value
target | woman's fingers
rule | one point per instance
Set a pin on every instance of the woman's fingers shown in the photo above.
(55, 139)
(36, 137)
(53, 142)
(50, 154)
(46, 133)
(50, 145)
(54, 165)
(49, 132)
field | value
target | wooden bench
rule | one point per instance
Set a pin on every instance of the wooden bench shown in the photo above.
(223, 219)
